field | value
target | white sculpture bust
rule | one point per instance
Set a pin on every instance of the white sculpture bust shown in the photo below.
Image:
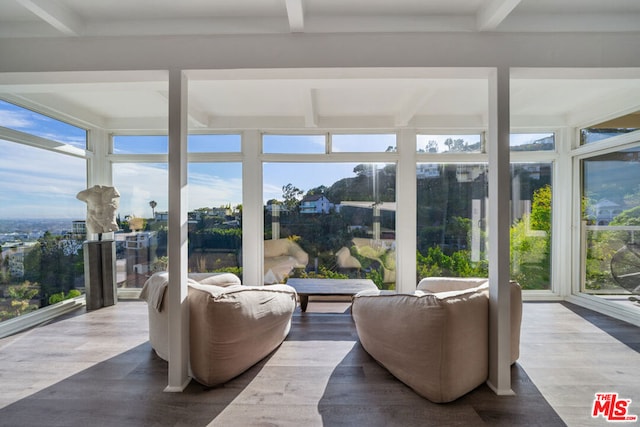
(102, 203)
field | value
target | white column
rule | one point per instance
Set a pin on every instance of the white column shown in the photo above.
(406, 212)
(564, 220)
(99, 171)
(177, 238)
(252, 210)
(499, 220)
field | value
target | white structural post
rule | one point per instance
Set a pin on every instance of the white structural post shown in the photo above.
(406, 213)
(499, 220)
(99, 168)
(252, 210)
(177, 238)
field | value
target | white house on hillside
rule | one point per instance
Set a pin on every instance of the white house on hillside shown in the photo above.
(316, 203)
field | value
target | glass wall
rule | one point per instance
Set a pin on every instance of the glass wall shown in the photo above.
(141, 242)
(452, 234)
(451, 219)
(215, 217)
(329, 219)
(41, 227)
(611, 222)
(214, 210)
(531, 215)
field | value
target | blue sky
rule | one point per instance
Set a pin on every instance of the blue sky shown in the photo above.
(46, 185)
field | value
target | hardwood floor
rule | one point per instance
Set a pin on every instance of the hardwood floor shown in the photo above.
(98, 369)
(572, 353)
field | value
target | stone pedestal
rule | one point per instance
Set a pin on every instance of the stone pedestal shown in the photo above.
(100, 273)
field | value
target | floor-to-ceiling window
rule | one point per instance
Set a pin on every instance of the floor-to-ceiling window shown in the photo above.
(610, 212)
(214, 181)
(452, 203)
(329, 206)
(140, 175)
(42, 169)
(214, 208)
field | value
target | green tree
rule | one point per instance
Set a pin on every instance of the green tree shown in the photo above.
(54, 263)
(317, 190)
(541, 209)
(628, 217)
(531, 252)
(20, 297)
(291, 196)
(153, 205)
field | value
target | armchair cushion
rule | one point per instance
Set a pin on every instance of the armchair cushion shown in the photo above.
(444, 284)
(233, 328)
(436, 344)
(222, 279)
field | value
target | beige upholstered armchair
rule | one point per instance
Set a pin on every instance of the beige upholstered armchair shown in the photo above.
(231, 326)
(435, 340)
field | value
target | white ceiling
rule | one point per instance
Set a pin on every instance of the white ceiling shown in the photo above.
(81, 18)
(435, 98)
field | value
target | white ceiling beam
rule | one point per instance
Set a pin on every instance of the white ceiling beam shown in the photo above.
(389, 23)
(310, 108)
(197, 116)
(189, 26)
(57, 15)
(491, 15)
(298, 122)
(574, 22)
(332, 76)
(417, 100)
(473, 123)
(295, 13)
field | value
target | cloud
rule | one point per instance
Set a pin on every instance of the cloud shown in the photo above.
(213, 191)
(14, 119)
(37, 183)
(138, 184)
(27, 121)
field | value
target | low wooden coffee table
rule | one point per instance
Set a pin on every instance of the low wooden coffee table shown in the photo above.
(328, 287)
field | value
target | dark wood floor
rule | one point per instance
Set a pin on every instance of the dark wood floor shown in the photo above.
(319, 376)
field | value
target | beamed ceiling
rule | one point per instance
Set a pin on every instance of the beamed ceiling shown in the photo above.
(82, 18)
(368, 98)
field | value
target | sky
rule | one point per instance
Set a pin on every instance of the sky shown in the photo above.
(46, 185)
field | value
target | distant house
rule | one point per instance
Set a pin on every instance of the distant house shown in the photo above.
(161, 216)
(275, 207)
(605, 210)
(427, 170)
(79, 228)
(316, 203)
(468, 173)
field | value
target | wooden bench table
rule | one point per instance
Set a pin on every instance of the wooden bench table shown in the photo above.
(328, 287)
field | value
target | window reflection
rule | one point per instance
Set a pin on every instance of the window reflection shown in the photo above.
(611, 218)
(334, 220)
